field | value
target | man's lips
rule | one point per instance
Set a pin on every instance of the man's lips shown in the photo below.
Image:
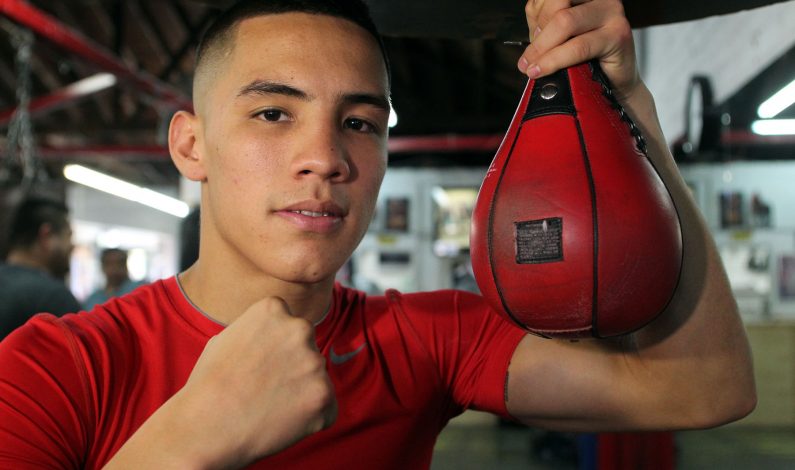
(313, 216)
(314, 208)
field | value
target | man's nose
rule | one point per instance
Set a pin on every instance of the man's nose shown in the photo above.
(322, 154)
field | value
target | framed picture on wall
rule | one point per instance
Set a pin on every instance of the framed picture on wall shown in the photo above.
(731, 209)
(786, 278)
(397, 214)
(453, 208)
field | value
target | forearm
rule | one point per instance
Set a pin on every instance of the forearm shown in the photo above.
(169, 439)
(698, 346)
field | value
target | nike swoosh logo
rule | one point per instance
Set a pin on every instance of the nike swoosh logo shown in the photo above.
(338, 359)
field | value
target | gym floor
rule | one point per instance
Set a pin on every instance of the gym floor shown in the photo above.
(477, 441)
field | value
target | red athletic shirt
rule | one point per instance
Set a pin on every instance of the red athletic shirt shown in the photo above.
(74, 389)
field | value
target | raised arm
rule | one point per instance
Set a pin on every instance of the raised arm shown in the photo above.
(690, 368)
(258, 387)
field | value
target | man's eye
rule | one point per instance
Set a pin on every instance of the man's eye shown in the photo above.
(273, 115)
(359, 125)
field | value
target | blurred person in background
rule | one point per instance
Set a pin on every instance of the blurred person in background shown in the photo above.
(32, 275)
(117, 278)
(189, 239)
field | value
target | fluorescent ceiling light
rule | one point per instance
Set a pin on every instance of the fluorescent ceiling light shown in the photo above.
(102, 182)
(774, 127)
(778, 102)
(92, 84)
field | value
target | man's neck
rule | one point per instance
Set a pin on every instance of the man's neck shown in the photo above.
(224, 296)
(26, 258)
(110, 288)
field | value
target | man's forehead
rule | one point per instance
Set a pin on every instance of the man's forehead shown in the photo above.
(303, 50)
(297, 24)
(269, 46)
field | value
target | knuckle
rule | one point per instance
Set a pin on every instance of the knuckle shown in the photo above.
(316, 363)
(532, 11)
(582, 51)
(534, 49)
(565, 20)
(319, 396)
(302, 329)
(622, 29)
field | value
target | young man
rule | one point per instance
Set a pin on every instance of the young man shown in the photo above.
(254, 357)
(32, 277)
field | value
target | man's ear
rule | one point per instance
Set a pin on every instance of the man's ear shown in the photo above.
(44, 237)
(182, 145)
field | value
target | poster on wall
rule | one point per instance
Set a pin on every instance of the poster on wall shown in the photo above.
(397, 214)
(731, 209)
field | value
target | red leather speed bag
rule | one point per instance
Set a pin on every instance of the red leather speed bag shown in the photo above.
(574, 233)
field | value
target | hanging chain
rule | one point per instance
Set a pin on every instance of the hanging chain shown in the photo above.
(607, 91)
(20, 145)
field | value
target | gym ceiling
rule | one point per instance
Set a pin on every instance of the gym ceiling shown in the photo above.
(454, 80)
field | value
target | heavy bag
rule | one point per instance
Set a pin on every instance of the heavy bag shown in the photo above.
(574, 234)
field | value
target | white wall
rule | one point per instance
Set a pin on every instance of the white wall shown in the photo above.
(758, 291)
(730, 49)
(773, 181)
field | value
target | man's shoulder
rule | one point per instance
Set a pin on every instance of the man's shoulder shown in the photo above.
(437, 302)
(28, 291)
(436, 298)
(124, 313)
(20, 275)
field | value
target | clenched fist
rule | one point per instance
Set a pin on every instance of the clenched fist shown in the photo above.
(258, 387)
(262, 382)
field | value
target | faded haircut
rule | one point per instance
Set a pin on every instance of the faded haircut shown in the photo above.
(217, 40)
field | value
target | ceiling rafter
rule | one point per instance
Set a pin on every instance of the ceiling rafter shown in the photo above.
(143, 40)
(193, 37)
(77, 69)
(156, 28)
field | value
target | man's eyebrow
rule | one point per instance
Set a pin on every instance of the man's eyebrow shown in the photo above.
(379, 101)
(264, 87)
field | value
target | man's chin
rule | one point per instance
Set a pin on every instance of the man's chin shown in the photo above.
(312, 278)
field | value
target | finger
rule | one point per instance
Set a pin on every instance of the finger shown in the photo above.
(563, 26)
(543, 12)
(537, 13)
(574, 51)
(569, 24)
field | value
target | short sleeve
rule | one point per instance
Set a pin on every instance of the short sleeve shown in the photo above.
(487, 344)
(42, 398)
(471, 344)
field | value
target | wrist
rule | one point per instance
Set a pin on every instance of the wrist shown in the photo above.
(171, 438)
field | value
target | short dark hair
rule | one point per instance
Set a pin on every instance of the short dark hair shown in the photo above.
(355, 11)
(110, 251)
(31, 214)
